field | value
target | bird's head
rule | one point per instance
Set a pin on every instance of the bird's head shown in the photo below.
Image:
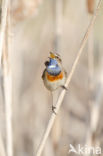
(55, 56)
(53, 66)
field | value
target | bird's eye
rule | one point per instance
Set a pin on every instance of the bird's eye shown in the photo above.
(58, 58)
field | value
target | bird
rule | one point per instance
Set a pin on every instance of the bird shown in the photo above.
(54, 74)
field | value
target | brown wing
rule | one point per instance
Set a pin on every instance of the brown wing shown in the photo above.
(43, 74)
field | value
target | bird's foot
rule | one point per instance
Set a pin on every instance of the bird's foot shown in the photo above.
(53, 110)
(64, 87)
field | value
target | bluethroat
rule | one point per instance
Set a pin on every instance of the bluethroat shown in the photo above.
(54, 75)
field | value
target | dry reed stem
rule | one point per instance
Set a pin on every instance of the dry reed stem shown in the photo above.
(3, 25)
(58, 24)
(7, 77)
(90, 6)
(90, 86)
(62, 94)
(2, 149)
(8, 88)
(8, 110)
(91, 61)
(91, 89)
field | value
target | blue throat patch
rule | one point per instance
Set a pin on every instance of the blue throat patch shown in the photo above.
(53, 68)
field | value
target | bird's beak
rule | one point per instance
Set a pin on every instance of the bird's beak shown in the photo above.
(52, 55)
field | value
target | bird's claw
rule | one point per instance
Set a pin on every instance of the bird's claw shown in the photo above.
(53, 110)
(64, 87)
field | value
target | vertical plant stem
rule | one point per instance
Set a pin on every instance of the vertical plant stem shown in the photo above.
(58, 24)
(90, 6)
(8, 108)
(3, 25)
(91, 60)
(2, 149)
(2, 39)
(90, 85)
(8, 90)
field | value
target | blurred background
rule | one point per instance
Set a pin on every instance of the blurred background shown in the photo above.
(38, 27)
